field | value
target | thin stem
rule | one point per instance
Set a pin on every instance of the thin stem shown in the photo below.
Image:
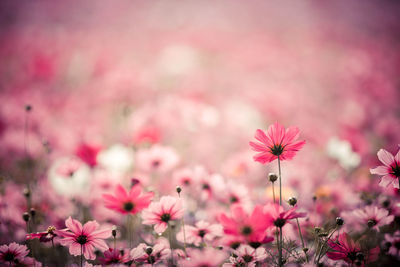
(273, 191)
(184, 232)
(170, 243)
(280, 182)
(81, 255)
(115, 242)
(301, 237)
(280, 247)
(130, 230)
(323, 245)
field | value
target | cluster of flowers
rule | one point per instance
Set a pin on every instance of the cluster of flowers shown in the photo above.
(272, 232)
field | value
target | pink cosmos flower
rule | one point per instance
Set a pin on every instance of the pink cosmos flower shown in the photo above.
(278, 142)
(112, 256)
(390, 168)
(245, 227)
(245, 255)
(208, 257)
(393, 242)
(45, 236)
(203, 231)
(374, 217)
(160, 213)
(349, 251)
(13, 253)
(88, 154)
(157, 159)
(124, 202)
(83, 239)
(277, 215)
(150, 255)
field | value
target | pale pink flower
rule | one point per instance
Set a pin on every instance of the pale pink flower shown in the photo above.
(245, 255)
(150, 255)
(83, 239)
(157, 159)
(13, 253)
(278, 142)
(393, 241)
(162, 212)
(202, 232)
(128, 203)
(208, 257)
(114, 256)
(373, 217)
(390, 168)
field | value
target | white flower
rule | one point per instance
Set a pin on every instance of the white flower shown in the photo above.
(118, 159)
(342, 152)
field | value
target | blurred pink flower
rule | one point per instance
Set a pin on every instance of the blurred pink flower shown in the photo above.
(245, 255)
(349, 251)
(88, 153)
(209, 257)
(160, 213)
(393, 240)
(157, 159)
(112, 256)
(83, 239)
(202, 231)
(45, 236)
(124, 202)
(373, 217)
(13, 253)
(244, 226)
(390, 168)
(278, 142)
(278, 216)
(150, 255)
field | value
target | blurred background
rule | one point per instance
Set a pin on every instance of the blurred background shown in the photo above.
(199, 76)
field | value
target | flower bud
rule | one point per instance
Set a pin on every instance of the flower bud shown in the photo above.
(339, 221)
(292, 201)
(178, 189)
(33, 212)
(28, 108)
(149, 250)
(25, 216)
(305, 250)
(26, 192)
(114, 231)
(272, 177)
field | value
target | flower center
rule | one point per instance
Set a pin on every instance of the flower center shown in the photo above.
(165, 217)
(202, 233)
(276, 150)
(279, 222)
(128, 206)
(9, 256)
(206, 186)
(234, 199)
(352, 255)
(397, 244)
(371, 223)
(248, 258)
(82, 239)
(246, 230)
(156, 163)
(396, 169)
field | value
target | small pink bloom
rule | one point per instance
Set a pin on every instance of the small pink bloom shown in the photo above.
(278, 217)
(83, 239)
(202, 232)
(112, 256)
(45, 236)
(346, 249)
(88, 154)
(243, 226)
(374, 217)
(13, 253)
(393, 242)
(209, 257)
(390, 168)
(124, 202)
(150, 255)
(245, 255)
(160, 213)
(157, 159)
(278, 142)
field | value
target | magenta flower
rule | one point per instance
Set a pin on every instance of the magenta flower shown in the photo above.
(393, 243)
(349, 251)
(160, 213)
(374, 217)
(83, 240)
(45, 236)
(112, 256)
(243, 226)
(278, 142)
(13, 253)
(278, 217)
(88, 154)
(390, 168)
(124, 202)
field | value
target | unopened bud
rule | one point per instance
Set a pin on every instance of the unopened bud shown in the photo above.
(28, 108)
(178, 189)
(339, 221)
(149, 250)
(292, 201)
(33, 212)
(114, 231)
(26, 192)
(305, 250)
(272, 177)
(25, 216)
(134, 181)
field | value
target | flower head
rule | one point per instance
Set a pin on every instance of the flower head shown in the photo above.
(45, 236)
(201, 232)
(83, 239)
(278, 217)
(124, 202)
(208, 257)
(393, 242)
(390, 168)
(13, 253)
(112, 256)
(374, 217)
(245, 255)
(278, 142)
(162, 212)
(349, 251)
(150, 255)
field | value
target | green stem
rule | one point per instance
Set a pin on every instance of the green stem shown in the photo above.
(302, 240)
(184, 232)
(280, 247)
(81, 255)
(280, 203)
(170, 243)
(273, 191)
